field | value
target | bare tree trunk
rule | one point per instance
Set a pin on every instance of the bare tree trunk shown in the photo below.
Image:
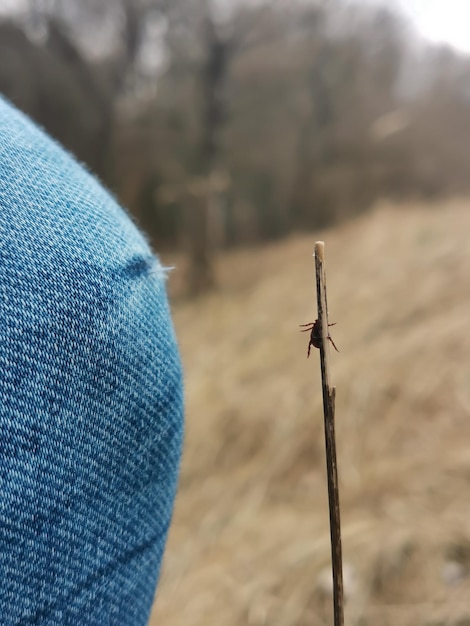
(201, 276)
(201, 266)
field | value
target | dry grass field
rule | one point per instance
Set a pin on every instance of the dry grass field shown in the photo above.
(249, 544)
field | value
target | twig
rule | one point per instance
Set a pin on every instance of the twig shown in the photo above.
(330, 443)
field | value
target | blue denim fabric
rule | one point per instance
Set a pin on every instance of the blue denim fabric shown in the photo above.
(90, 395)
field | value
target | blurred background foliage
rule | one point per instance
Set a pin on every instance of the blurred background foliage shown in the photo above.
(233, 123)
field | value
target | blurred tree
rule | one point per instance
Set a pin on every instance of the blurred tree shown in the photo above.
(55, 86)
(108, 73)
(202, 209)
(192, 107)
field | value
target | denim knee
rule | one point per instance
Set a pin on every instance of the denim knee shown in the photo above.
(90, 395)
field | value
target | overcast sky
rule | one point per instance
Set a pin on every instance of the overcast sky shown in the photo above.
(441, 20)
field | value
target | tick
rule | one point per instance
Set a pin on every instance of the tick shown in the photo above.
(315, 335)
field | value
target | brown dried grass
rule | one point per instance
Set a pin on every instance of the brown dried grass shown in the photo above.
(249, 544)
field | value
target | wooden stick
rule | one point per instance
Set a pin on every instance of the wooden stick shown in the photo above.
(330, 443)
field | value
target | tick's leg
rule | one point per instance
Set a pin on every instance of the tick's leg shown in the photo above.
(308, 351)
(332, 324)
(311, 324)
(334, 346)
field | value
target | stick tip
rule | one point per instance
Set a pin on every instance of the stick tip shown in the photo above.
(319, 250)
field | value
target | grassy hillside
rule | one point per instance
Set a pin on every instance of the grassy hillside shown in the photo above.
(249, 543)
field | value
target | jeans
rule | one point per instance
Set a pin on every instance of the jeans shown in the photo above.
(90, 395)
